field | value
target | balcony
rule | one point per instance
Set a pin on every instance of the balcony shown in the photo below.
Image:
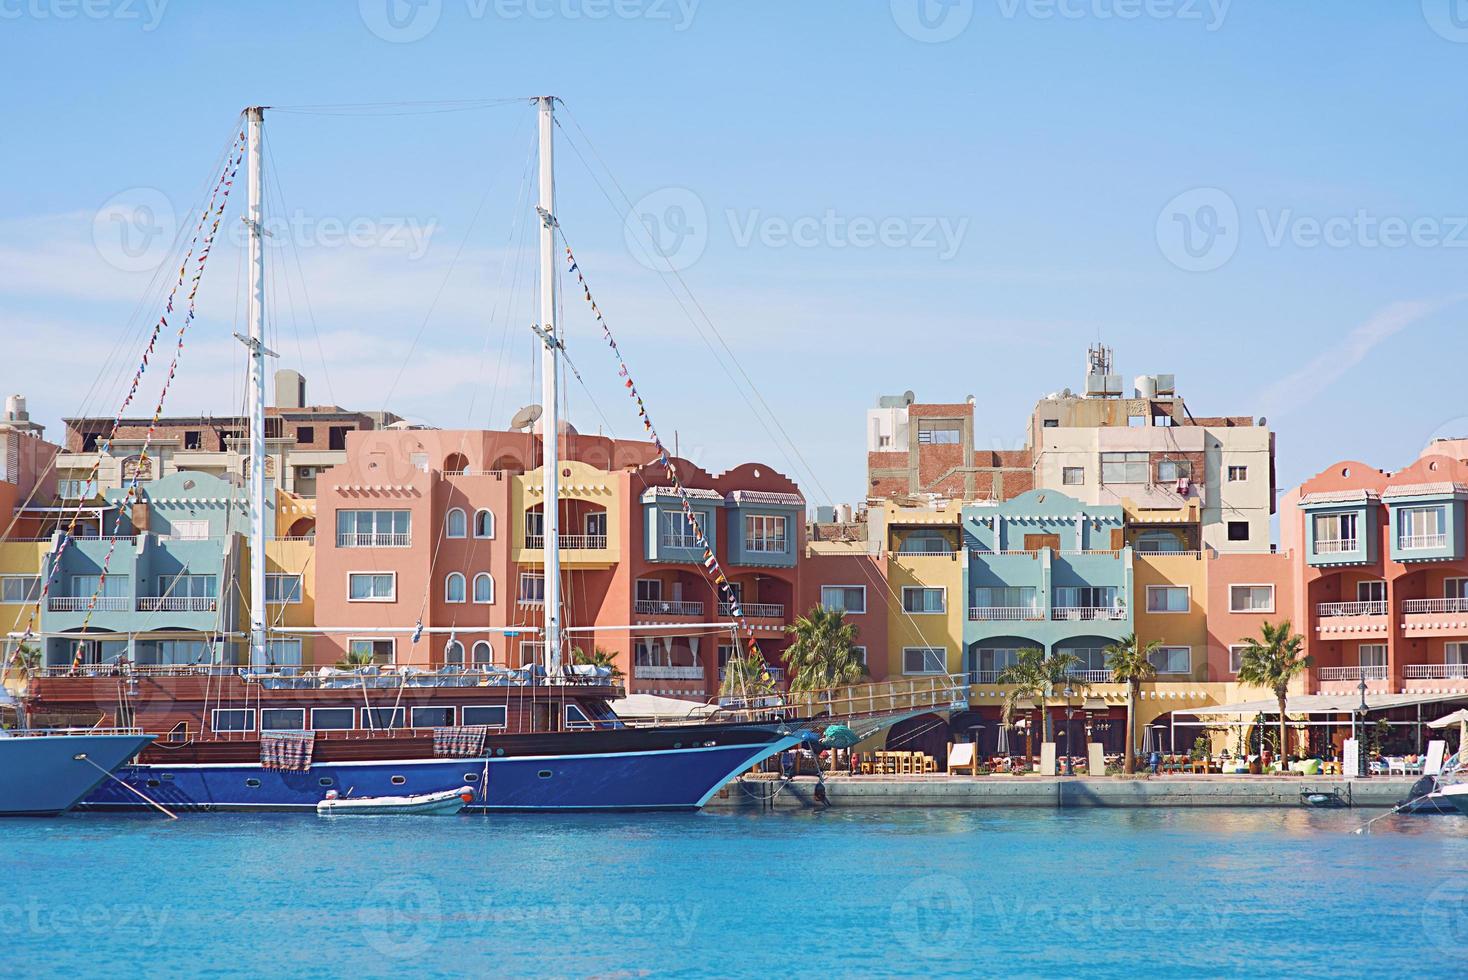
(660, 607)
(659, 672)
(1434, 606)
(1344, 546)
(173, 603)
(1421, 542)
(1435, 672)
(1005, 614)
(570, 542)
(1092, 676)
(1371, 673)
(1086, 614)
(102, 603)
(370, 540)
(1334, 610)
(755, 610)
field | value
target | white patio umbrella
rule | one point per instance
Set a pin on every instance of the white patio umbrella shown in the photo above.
(1003, 747)
(1147, 743)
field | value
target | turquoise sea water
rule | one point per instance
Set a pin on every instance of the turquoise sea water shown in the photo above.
(1010, 892)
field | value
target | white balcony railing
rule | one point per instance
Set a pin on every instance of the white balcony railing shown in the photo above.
(570, 542)
(1092, 676)
(1421, 542)
(984, 676)
(755, 610)
(1435, 606)
(1331, 610)
(368, 540)
(661, 673)
(1435, 672)
(177, 603)
(1005, 614)
(102, 603)
(1342, 547)
(1084, 614)
(1377, 673)
(660, 607)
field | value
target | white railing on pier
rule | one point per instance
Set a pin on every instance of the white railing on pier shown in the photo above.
(102, 603)
(656, 607)
(176, 603)
(1435, 672)
(755, 610)
(660, 672)
(1331, 610)
(1005, 614)
(368, 540)
(1341, 547)
(1373, 673)
(1421, 542)
(1435, 606)
(1086, 613)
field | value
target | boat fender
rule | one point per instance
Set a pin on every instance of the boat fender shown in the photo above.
(466, 793)
(331, 794)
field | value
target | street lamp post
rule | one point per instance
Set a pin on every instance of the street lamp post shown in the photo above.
(1070, 713)
(1363, 764)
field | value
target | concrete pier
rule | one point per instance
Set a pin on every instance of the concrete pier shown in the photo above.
(1039, 791)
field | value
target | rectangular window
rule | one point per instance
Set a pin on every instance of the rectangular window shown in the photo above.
(381, 719)
(765, 533)
(1124, 468)
(1455, 654)
(176, 652)
(861, 655)
(333, 719)
(649, 590)
(532, 588)
(488, 715)
(1454, 588)
(534, 525)
(1238, 530)
(844, 598)
(20, 588)
(1238, 474)
(531, 652)
(372, 586)
(1172, 660)
(1251, 598)
(305, 435)
(189, 530)
(1172, 470)
(925, 544)
(233, 720)
(433, 716)
(676, 530)
(282, 589)
(1235, 658)
(282, 719)
(924, 660)
(1335, 533)
(374, 528)
(337, 437)
(76, 489)
(1167, 599)
(1371, 590)
(595, 525)
(283, 653)
(1073, 476)
(381, 651)
(924, 600)
(1050, 424)
(193, 439)
(1086, 597)
(1421, 528)
(1372, 654)
(939, 434)
(86, 586)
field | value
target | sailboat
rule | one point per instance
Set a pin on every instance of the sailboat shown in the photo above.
(528, 759)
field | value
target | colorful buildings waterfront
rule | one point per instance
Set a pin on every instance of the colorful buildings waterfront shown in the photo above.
(1122, 514)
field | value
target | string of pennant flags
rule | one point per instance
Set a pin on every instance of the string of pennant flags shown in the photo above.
(202, 241)
(710, 560)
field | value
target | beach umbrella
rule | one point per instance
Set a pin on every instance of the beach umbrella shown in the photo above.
(1146, 740)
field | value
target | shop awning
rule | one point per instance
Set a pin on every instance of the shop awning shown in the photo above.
(1323, 704)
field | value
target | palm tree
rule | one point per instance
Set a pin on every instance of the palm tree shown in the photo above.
(1130, 663)
(746, 676)
(822, 654)
(597, 658)
(1272, 661)
(1034, 676)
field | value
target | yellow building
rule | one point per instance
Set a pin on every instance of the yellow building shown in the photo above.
(924, 557)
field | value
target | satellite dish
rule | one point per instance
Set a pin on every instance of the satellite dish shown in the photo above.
(526, 417)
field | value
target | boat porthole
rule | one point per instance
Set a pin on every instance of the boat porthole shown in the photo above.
(499, 751)
(398, 780)
(471, 777)
(677, 745)
(544, 774)
(153, 783)
(253, 783)
(325, 781)
(167, 777)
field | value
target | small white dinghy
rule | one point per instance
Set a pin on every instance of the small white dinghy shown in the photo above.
(442, 803)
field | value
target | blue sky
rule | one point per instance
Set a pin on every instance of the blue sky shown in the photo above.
(864, 197)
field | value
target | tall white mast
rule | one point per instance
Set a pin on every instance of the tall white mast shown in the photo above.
(256, 344)
(550, 370)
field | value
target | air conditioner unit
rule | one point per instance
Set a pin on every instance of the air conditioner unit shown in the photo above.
(305, 472)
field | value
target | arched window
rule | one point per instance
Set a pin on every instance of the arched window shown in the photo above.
(453, 654)
(454, 524)
(453, 588)
(483, 524)
(483, 654)
(484, 588)
(457, 464)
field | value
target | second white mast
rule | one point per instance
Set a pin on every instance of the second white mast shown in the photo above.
(550, 369)
(255, 120)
